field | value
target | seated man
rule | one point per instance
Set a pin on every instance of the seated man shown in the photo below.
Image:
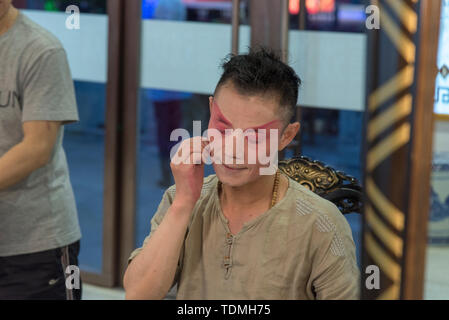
(243, 233)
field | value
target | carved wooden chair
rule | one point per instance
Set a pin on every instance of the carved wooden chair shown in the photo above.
(336, 186)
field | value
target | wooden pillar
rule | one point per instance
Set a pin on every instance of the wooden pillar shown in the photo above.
(398, 145)
(269, 24)
(129, 92)
(302, 15)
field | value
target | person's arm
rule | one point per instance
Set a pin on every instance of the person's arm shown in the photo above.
(151, 273)
(47, 101)
(32, 153)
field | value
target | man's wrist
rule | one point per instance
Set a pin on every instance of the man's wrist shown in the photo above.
(183, 206)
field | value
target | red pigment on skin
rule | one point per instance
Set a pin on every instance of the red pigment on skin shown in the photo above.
(219, 121)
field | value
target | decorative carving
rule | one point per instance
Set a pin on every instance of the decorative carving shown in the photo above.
(336, 186)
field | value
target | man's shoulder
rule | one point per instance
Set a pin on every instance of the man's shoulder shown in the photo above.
(306, 205)
(209, 183)
(36, 38)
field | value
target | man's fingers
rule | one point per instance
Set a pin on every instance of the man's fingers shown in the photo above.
(190, 151)
(197, 158)
(205, 144)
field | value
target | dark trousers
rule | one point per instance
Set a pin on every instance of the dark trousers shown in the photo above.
(39, 276)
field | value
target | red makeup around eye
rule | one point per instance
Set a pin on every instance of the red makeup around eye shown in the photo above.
(219, 117)
(220, 122)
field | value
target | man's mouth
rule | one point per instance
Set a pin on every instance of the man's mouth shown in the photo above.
(234, 168)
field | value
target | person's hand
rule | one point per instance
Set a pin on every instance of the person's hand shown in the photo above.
(188, 171)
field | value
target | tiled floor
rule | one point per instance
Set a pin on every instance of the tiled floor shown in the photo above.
(91, 292)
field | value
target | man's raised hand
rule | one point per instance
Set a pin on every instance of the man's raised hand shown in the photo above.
(187, 166)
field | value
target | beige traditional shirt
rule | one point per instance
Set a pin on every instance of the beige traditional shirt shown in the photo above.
(301, 248)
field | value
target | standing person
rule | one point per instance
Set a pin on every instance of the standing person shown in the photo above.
(39, 228)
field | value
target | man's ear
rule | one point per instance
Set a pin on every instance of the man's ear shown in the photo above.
(211, 102)
(289, 134)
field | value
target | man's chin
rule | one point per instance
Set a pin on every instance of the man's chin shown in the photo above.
(232, 177)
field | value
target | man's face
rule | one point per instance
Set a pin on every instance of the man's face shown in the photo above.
(4, 7)
(232, 111)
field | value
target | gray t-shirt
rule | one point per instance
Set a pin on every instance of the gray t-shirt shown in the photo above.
(38, 213)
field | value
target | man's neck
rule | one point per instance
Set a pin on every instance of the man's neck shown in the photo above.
(252, 195)
(7, 21)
